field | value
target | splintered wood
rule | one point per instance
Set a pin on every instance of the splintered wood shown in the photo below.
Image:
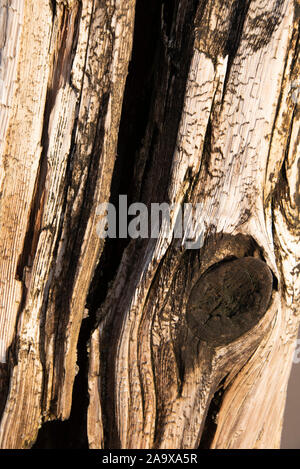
(179, 325)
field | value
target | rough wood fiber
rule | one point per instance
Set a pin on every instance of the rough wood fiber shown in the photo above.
(221, 130)
(74, 125)
(229, 156)
(20, 152)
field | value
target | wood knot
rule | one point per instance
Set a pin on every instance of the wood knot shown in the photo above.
(229, 299)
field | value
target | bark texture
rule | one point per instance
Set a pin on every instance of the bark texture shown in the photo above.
(176, 347)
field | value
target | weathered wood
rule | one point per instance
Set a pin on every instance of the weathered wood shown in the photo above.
(73, 136)
(223, 156)
(190, 344)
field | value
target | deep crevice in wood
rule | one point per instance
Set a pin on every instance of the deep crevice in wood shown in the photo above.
(210, 425)
(62, 63)
(72, 433)
(240, 10)
(135, 115)
(148, 136)
(4, 380)
(172, 67)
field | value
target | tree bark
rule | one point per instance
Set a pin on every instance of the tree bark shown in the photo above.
(173, 344)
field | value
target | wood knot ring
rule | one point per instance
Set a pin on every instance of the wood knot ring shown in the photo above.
(229, 299)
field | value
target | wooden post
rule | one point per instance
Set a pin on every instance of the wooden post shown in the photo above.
(184, 341)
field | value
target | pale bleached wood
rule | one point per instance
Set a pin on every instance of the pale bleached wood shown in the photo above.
(230, 189)
(261, 387)
(222, 131)
(11, 19)
(90, 46)
(20, 152)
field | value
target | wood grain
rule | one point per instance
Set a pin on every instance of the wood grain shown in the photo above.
(75, 132)
(191, 340)
(223, 152)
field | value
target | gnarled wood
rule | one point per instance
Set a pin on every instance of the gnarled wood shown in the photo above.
(74, 138)
(191, 339)
(224, 153)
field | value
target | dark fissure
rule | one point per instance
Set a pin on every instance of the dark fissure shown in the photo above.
(137, 103)
(152, 108)
(210, 425)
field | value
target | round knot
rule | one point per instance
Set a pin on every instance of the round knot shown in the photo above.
(229, 299)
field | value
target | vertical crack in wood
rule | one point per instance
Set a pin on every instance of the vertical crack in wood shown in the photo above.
(213, 127)
(80, 134)
(63, 55)
(227, 182)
